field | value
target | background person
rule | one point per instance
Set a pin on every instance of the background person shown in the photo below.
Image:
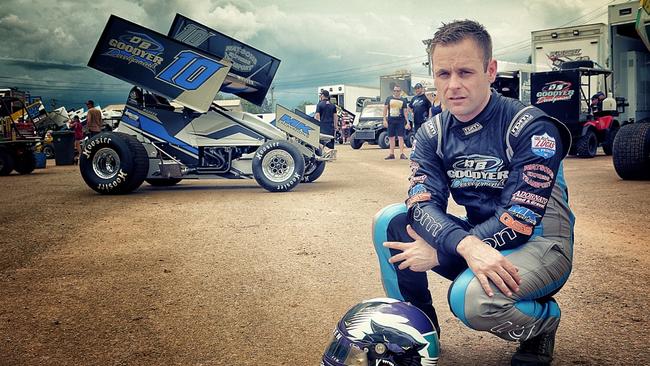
(326, 115)
(395, 121)
(420, 106)
(93, 119)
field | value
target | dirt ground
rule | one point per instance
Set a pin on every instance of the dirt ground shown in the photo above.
(221, 272)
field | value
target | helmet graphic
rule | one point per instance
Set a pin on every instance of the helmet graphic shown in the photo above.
(383, 332)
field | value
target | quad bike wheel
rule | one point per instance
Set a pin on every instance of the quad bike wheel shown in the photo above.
(631, 151)
(113, 163)
(7, 162)
(354, 143)
(587, 145)
(25, 162)
(383, 140)
(278, 166)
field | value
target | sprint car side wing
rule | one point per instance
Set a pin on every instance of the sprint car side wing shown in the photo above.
(159, 63)
(297, 126)
(252, 70)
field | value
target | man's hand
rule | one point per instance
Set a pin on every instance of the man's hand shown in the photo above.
(487, 262)
(417, 255)
(407, 126)
(385, 123)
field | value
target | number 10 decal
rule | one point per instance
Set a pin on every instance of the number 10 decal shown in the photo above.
(189, 70)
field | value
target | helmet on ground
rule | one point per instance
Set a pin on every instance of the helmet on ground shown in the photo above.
(383, 332)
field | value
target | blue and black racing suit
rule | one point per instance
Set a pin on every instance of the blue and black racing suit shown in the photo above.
(505, 168)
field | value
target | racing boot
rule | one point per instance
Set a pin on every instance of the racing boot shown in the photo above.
(536, 351)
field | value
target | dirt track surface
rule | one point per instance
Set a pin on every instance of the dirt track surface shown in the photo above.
(221, 272)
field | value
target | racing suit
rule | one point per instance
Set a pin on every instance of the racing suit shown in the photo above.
(505, 168)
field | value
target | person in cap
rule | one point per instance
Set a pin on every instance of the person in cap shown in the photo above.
(597, 102)
(420, 107)
(326, 115)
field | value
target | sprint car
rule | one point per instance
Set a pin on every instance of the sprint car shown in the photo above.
(171, 129)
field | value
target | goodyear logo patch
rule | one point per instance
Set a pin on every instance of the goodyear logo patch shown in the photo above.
(137, 48)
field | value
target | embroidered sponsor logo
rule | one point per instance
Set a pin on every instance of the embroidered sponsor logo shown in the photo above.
(478, 171)
(529, 199)
(524, 214)
(417, 179)
(499, 239)
(418, 188)
(420, 197)
(519, 125)
(430, 128)
(554, 91)
(472, 129)
(514, 331)
(538, 175)
(427, 221)
(515, 225)
(543, 145)
(414, 167)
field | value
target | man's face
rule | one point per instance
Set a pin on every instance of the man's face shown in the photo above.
(397, 92)
(462, 83)
(419, 91)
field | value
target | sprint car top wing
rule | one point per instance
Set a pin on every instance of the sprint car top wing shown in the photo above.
(159, 63)
(252, 70)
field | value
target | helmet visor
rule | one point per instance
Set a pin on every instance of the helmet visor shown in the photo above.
(340, 351)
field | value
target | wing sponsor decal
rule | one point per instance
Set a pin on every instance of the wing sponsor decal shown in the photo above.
(543, 145)
(137, 48)
(520, 124)
(515, 225)
(478, 171)
(538, 175)
(296, 125)
(529, 199)
(554, 91)
(472, 129)
(427, 221)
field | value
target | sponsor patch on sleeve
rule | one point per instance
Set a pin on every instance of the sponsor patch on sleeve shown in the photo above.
(515, 225)
(538, 175)
(543, 145)
(520, 124)
(430, 128)
(524, 214)
(529, 199)
(418, 197)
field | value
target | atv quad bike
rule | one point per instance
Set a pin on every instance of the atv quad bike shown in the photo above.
(172, 130)
(17, 137)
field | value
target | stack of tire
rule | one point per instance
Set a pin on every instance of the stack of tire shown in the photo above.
(631, 151)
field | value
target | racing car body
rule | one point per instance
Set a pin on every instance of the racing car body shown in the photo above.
(171, 129)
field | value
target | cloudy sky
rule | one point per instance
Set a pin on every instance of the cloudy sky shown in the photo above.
(46, 44)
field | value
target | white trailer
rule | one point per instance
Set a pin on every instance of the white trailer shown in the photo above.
(551, 47)
(348, 96)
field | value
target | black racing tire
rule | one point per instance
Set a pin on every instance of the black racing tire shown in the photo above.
(587, 145)
(383, 140)
(313, 169)
(608, 143)
(48, 150)
(163, 182)
(25, 162)
(113, 163)
(7, 162)
(408, 139)
(354, 143)
(278, 166)
(631, 151)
